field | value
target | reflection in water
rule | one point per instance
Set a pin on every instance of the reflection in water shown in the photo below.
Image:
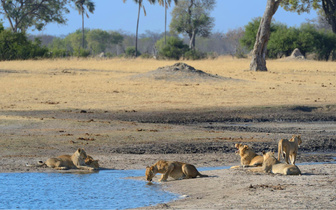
(103, 190)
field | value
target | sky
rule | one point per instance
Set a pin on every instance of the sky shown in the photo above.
(116, 15)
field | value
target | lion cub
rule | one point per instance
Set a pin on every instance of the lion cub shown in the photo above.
(271, 164)
(248, 156)
(289, 148)
(173, 169)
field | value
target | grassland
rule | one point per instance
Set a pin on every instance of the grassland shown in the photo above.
(106, 85)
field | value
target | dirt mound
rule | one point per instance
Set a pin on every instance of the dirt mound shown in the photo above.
(297, 54)
(179, 72)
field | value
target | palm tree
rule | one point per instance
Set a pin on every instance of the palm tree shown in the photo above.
(140, 2)
(166, 4)
(90, 6)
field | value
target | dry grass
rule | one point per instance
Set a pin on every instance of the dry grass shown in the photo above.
(105, 85)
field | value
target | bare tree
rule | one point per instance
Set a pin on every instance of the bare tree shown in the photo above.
(258, 62)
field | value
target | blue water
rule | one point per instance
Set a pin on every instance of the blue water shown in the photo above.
(104, 190)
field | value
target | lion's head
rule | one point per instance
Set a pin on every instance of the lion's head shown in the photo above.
(150, 173)
(80, 154)
(269, 161)
(298, 138)
(241, 149)
(91, 162)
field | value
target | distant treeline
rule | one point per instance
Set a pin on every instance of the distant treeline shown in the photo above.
(310, 38)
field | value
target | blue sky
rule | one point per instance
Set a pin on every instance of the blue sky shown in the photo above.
(116, 15)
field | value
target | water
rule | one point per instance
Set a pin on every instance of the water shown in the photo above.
(104, 190)
(107, 189)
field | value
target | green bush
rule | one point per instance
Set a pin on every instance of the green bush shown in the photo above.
(194, 55)
(130, 52)
(174, 49)
(284, 40)
(82, 53)
(16, 46)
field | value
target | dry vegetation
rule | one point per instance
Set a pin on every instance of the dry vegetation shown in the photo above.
(106, 85)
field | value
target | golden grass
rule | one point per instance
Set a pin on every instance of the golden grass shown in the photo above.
(105, 85)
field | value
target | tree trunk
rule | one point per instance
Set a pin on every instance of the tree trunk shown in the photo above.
(192, 40)
(165, 5)
(136, 34)
(83, 37)
(329, 8)
(258, 62)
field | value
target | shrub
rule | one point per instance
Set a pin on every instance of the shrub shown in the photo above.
(174, 49)
(194, 55)
(82, 53)
(130, 52)
(15, 46)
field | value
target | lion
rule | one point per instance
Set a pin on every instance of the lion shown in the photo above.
(173, 169)
(289, 148)
(65, 162)
(248, 157)
(89, 161)
(271, 164)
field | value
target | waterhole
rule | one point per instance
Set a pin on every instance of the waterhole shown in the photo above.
(107, 189)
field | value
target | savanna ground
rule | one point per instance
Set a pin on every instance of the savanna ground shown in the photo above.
(128, 119)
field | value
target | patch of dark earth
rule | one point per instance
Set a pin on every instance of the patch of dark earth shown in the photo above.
(216, 119)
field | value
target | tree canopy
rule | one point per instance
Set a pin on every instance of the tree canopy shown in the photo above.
(23, 14)
(326, 7)
(192, 17)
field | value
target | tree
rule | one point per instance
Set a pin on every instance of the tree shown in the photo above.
(140, 3)
(327, 7)
(80, 6)
(166, 4)
(14, 46)
(192, 17)
(258, 62)
(23, 14)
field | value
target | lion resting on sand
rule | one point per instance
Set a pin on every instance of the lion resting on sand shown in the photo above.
(271, 164)
(173, 169)
(64, 162)
(248, 156)
(289, 148)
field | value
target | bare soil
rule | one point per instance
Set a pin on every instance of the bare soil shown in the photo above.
(134, 139)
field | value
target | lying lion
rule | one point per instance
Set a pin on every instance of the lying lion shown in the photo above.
(64, 162)
(89, 161)
(173, 169)
(289, 148)
(248, 157)
(271, 164)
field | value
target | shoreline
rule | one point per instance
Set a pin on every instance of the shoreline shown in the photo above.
(243, 189)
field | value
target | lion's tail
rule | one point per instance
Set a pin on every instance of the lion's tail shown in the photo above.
(280, 149)
(202, 175)
(39, 164)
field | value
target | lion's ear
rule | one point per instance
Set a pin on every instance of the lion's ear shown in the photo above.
(263, 152)
(78, 150)
(147, 167)
(246, 147)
